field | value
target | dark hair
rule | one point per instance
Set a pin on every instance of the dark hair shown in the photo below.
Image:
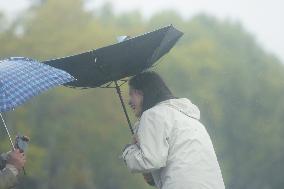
(153, 87)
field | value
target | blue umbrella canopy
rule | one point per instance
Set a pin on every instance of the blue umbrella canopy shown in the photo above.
(23, 78)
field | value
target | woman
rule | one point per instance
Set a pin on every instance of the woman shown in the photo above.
(170, 142)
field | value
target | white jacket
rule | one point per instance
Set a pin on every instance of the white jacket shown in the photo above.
(175, 147)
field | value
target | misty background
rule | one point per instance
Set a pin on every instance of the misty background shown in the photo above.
(223, 64)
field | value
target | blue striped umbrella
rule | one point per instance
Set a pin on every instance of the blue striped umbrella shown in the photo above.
(23, 78)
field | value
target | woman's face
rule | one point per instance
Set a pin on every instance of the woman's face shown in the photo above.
(136, 101)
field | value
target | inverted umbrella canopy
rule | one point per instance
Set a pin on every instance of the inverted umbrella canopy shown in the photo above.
(22, 78)
(114, 62)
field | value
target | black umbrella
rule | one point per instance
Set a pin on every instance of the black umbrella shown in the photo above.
(110, 64)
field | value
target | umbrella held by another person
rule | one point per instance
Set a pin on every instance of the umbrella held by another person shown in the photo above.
(20, 80)
(171, 147)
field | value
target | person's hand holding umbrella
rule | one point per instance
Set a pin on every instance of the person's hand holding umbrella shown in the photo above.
(134, 139)
(15, 161)
(149, 179)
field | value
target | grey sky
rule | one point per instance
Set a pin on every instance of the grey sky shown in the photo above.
(260, 17)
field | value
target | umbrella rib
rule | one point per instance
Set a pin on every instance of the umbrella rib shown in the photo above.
(110, 86)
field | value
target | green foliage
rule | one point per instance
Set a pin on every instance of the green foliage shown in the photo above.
(77, 136)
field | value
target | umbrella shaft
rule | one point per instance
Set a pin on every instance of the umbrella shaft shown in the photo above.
(123, 106)
(11, 141)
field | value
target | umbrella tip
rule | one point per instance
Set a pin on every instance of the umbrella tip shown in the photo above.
(122, 38)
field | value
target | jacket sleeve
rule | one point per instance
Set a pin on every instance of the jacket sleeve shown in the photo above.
(7, 179)
(3, 158)
(152, 149)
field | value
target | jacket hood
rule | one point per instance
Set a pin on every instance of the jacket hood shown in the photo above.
(185, 106)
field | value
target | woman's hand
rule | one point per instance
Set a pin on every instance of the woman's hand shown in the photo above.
(149, 179)
(134, 139)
